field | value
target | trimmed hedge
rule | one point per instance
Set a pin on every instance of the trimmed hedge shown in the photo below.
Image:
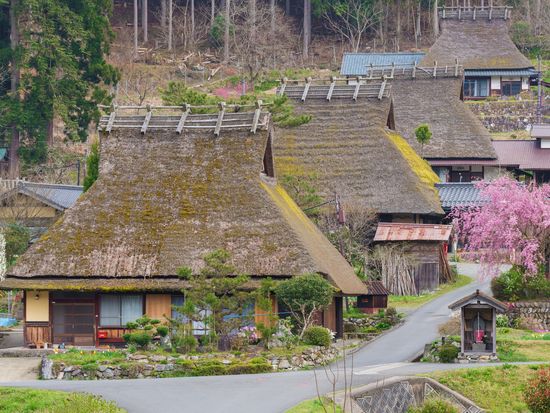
(317, 336)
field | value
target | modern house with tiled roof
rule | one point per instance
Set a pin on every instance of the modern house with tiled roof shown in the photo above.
(478, 37)
(207, 183)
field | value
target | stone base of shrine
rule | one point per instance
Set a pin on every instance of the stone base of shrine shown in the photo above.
(466, 358)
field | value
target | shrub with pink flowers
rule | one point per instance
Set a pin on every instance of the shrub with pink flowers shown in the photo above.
(537, 393)
(512, 226)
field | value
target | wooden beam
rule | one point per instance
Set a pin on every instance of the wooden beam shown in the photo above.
(181, 123)
(220, 118)
(257, 113)
(456, 67)
(146, 120)
(414, 68)
(331, 87)
(111, 122)
(306, 89)
(435, 69)
(357, 87)
(382, 88)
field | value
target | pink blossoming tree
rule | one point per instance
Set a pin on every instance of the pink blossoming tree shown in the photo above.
(511, 226)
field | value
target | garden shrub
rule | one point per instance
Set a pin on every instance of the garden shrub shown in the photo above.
(383, 325)
(317, 336)
(502, 320)
(162, 331)
(448, 353)
(186, 343)
(210, 368)
(537, 393)
(140, 339)
(391, 312)
(250, 368)
(513, 285)
(434, 405)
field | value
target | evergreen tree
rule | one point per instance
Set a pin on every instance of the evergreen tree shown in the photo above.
(61, 59)
(92, 167)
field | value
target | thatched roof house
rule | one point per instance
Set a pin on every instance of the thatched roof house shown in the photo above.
(163, 201)
(493, 64)
(348, 149)
(457, 132)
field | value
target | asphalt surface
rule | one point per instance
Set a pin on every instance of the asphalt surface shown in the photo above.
(388, 355)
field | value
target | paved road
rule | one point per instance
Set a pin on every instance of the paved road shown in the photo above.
(387, 356)
(18, 368)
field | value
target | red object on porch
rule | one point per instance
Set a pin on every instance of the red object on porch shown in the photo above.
(102, 334)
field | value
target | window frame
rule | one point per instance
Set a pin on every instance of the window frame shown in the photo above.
(120, 297)
(510, 84)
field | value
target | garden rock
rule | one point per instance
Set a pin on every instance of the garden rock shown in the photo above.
(284, 364)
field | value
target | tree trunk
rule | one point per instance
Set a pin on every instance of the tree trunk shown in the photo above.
(272, 12)
(13, 161)
(135, 28)
(50, 132)
(287, 7)
(212, 12)
(226, 33)
(307, 28)
(538, 8)
(163, 14)
(170, 28)
(398, 25)
(435, 21)
(252, 20)
(193, 22)
(144, 20)
(418, 23)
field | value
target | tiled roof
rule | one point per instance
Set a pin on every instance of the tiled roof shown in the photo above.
(458, 194)
(355, 64)
(523, 154)
(412, 232)
(540, 131)
(59, 197)
(496, 72)
(377, 288)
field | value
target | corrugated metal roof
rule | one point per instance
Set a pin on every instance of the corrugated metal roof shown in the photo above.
(523, 154)
(458, 194)
(355, 64)
(540, 131)
(412, 232)
(496, 72)
(57, 196)
(376, 288)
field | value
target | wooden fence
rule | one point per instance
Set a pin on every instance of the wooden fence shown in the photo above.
(474, 13)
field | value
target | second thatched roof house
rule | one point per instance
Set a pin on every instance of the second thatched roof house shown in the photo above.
(163, 201)
(478, 37)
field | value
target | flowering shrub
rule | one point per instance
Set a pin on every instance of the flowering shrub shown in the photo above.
(249, 333)
(512, 226)
(537, 393)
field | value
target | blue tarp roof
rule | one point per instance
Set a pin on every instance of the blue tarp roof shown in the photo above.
(504, 72)
(355, 64)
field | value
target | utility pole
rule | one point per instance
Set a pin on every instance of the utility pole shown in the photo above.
(78, 172)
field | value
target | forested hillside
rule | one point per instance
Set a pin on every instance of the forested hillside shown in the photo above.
(60, 58)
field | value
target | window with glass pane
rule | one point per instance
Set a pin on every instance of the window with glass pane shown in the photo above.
(469, 87)
(117, 310)
(483, 87)
(511, 88)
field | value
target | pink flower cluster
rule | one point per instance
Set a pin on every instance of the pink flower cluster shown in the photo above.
(512, 226)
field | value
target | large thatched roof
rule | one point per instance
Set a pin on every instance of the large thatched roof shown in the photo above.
(347, 149)
(479, 44)
(457, 132)
(163, 201)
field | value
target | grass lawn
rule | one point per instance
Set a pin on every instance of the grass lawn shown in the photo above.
(522, 345)
(18, 400)
(415, 301)
(497, 389)
(513, 135)
(75, 357)
(315, 406)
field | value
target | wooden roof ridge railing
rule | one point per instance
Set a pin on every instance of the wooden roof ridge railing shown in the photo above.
(475, 12)
(222, 116)
(334, 87)
(412, 71)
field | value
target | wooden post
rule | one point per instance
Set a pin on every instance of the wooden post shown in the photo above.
(220, 115)
(283, 86)
(306, 89)
(181, 123)
(146, 120)
(491, 12)
(474, 16)
(257, 113)
(135, 28)
(494, 331)
(382, 88)
(456, 67)
(144, 20)
(331, 88)
(357, 87)
(414, 70)
(435, 69)
(462, 330)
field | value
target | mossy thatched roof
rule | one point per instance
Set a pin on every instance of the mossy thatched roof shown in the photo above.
(163, 201)
(347, 149)
(479, 44)
(456, 131)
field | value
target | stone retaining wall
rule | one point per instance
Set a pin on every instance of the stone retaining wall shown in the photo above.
(539, 312)
(506, 116)
(397, 394)
(153, 365)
